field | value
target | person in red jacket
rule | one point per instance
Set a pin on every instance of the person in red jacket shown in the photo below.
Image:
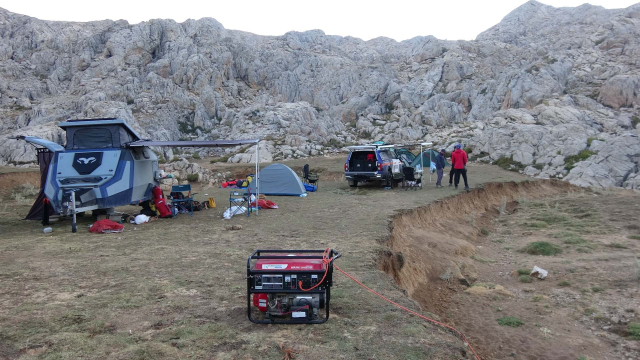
(459, 164)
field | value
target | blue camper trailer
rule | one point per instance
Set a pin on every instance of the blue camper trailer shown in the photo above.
(106, 164)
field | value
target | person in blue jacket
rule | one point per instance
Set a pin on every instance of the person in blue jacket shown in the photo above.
(440, 164)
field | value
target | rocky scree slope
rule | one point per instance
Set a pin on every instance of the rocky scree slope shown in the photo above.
(555, 92)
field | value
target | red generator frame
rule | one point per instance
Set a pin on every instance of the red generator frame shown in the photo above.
(289, 286)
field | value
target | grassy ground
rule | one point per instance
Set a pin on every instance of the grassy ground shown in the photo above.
(176, 289)
(586, 308)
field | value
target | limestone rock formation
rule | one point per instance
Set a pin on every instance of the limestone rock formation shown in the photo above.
(542, 85)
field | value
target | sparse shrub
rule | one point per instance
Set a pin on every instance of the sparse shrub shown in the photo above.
(525, 279)
(196, 156)
(484, 231)
(446, 275)
(542, 248)
(220, 159)
(564, 283)
(596, 289)
(551, 218)
(192, 177)
(524, 272)
(571, 161)
(130, 101)
(536, 225)
(634, 330)
(634, 237)
(570, 238)
(617, 246)
(635, 120)
(590, 311)
(485, 285)
(508, 163)
(175, 158)
(537, 298)
(24, 194)
(483, 260)
(510, 321)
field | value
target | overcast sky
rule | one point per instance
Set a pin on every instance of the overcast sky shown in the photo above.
(397, 19)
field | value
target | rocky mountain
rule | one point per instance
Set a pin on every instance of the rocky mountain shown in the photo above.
(554, 92)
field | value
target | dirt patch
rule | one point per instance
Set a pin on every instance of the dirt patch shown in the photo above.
(9, 181)
(463, 258)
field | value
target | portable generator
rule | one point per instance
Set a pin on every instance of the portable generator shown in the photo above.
(289, 286)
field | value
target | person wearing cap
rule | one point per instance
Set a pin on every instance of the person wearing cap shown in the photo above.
(440, 163)
(459, 164)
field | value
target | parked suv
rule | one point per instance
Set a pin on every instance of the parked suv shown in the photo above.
(367, 163)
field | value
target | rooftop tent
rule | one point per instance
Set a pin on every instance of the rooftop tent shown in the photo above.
(98, 133)
(425, 158)
(279, 179)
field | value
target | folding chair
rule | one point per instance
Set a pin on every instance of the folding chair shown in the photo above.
(183, 202)
(309, 177)
(239, 200)
(410, 180)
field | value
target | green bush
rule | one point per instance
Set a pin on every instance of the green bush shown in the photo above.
(570, 237)
(220, 159)
(510, 321)
(196, 156)
(564, 283)
(635, 120)
(542, 248)
(192, 177)
(634, 237)
(525, 279)
(524, 272)
(634, 330)
(507, 163)
(571, 161)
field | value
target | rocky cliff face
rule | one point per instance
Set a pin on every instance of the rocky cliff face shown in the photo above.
(546, 87)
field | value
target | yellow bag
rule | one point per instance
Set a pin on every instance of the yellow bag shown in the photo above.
(212, 203)
(153, 208)
(249, 179)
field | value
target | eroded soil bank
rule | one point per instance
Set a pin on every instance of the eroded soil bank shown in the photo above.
(462, 259)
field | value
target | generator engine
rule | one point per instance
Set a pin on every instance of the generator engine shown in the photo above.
(289, 286)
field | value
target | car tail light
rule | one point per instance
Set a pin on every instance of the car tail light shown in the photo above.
(379, 166)
(346, 167)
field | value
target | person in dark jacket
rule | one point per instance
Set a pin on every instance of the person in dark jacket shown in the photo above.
(440, 163)
(459, 164)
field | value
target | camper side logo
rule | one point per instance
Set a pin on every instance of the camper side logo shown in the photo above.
(87, 160)
(86, 163)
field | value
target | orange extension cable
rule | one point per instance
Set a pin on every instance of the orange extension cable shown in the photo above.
(327, 260)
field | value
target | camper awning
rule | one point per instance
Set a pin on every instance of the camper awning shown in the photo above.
(215, 143)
